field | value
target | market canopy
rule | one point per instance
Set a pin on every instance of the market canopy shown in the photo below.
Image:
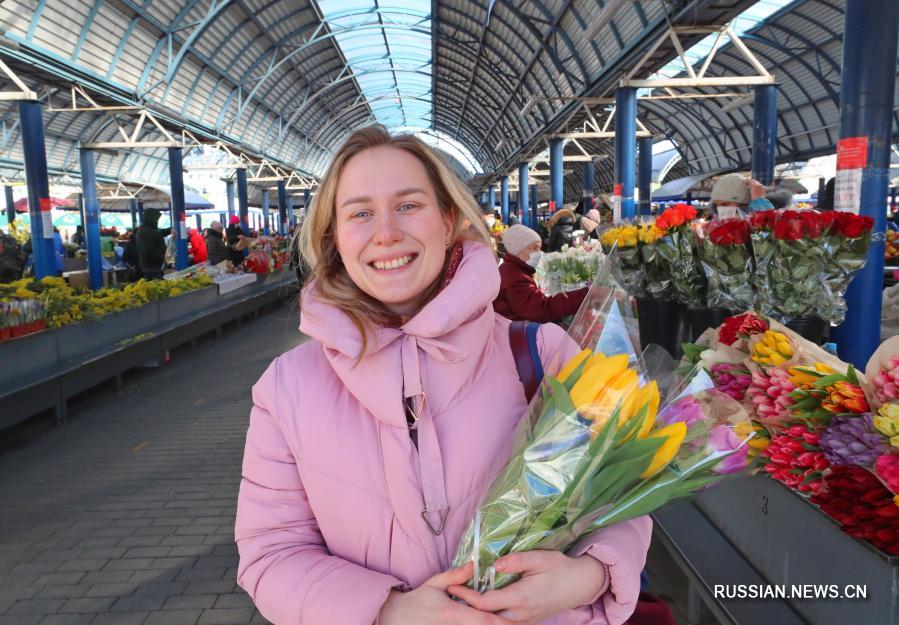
(678, 189)
(21, 205)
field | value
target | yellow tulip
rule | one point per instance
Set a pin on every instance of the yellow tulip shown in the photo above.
(618, 392)
(595, 379)
(573, 364)
(674, 435)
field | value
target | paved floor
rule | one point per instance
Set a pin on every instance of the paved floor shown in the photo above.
(124, 515)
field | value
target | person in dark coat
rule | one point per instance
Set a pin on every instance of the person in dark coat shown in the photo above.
(151, 245)
(232, 235)
(561, 229)
(131, 258)
(519, 297)
(216, 250)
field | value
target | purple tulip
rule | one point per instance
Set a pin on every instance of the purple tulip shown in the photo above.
(723, 440)
(853, 440)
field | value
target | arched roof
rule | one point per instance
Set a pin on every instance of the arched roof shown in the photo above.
(289, 79)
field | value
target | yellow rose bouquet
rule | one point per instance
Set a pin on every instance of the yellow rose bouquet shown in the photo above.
(595, 449)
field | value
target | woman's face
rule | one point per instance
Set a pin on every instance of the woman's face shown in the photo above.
(390, 233)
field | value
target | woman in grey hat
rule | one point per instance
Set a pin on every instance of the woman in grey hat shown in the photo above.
(734, 192)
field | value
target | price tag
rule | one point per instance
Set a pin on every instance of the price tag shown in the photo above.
(847, 192)
(183, 229)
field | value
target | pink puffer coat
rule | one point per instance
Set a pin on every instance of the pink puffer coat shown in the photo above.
(336, 504)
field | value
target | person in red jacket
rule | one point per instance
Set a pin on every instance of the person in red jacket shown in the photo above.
(197, 247)
(519, 298)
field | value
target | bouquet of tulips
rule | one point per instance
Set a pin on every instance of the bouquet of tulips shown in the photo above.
(677, 249)
(603, 443)
(727, 263)
(845, 253)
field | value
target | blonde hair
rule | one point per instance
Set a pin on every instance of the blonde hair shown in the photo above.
(318, 244)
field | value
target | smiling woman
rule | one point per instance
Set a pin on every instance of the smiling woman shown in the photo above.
(386, 217)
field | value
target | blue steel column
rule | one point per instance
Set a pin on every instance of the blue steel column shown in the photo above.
(556, 193)
(291, 217)
(132, 204)
(504, 199)
(199, 220)
(764, 134)
(535, 216)
(306, 195)
(822, 189)
(265, 216)
(524, 205)
(282, 208)
(10, 205)
(625, 147)
(894, 194)
(870, 34)
(176, 176)
(31, 123)
(491, 196)
(644, 175)
(587, 195)
(242, 202)
(229, 191)
(91, 219)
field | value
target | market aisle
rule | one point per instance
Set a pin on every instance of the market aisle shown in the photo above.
(124, 515)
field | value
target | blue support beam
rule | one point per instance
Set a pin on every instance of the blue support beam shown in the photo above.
(229, 190)
(491, 196)
(822, 188)
(535, 217)
(894, 203)
(764, 134)
(625, 150)
(282, 208)
(306, 195)
(504, 199)
(483, 200)
(10, 205)
(265, 216)
(179, 217)
(198, 219)
(38, 183)
(589, 185)
(870, 34)
(644, 175)
(242, 201)
(91, 219)
(556, 179)
(291, 216)
(523, 204)
(140, 212)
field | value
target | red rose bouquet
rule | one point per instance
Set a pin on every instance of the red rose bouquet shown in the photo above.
(794, 275)
(846, 250)
(677, 249)
(727, 263)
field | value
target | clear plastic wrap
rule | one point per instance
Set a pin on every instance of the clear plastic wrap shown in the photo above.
(845, 253)
(678, 250)
(726, 260)
(794, 274)
(595, 450)
(572, 268)
(623, 243)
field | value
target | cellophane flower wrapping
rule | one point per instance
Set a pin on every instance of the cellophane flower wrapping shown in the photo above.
(845, 253)
(569, 269)
(678, 249)
(594, 448)
(795, 275)
(761, 224)
(726, 259)
(624, 242)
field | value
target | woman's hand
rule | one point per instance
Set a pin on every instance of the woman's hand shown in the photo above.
(429, 604)
(551, 583)
(756, 189)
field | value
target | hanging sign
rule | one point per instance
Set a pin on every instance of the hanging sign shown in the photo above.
(852, 158)
(46, 217)
(616, 203)
(183, 232)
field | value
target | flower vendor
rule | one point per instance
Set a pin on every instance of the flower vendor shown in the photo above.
(371, 444)
(734, 192)
(519, 297)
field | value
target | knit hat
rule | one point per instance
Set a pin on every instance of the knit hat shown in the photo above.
(732, 189)
(217, 226)
(518, 237)
(234, 220)
(593, 215)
